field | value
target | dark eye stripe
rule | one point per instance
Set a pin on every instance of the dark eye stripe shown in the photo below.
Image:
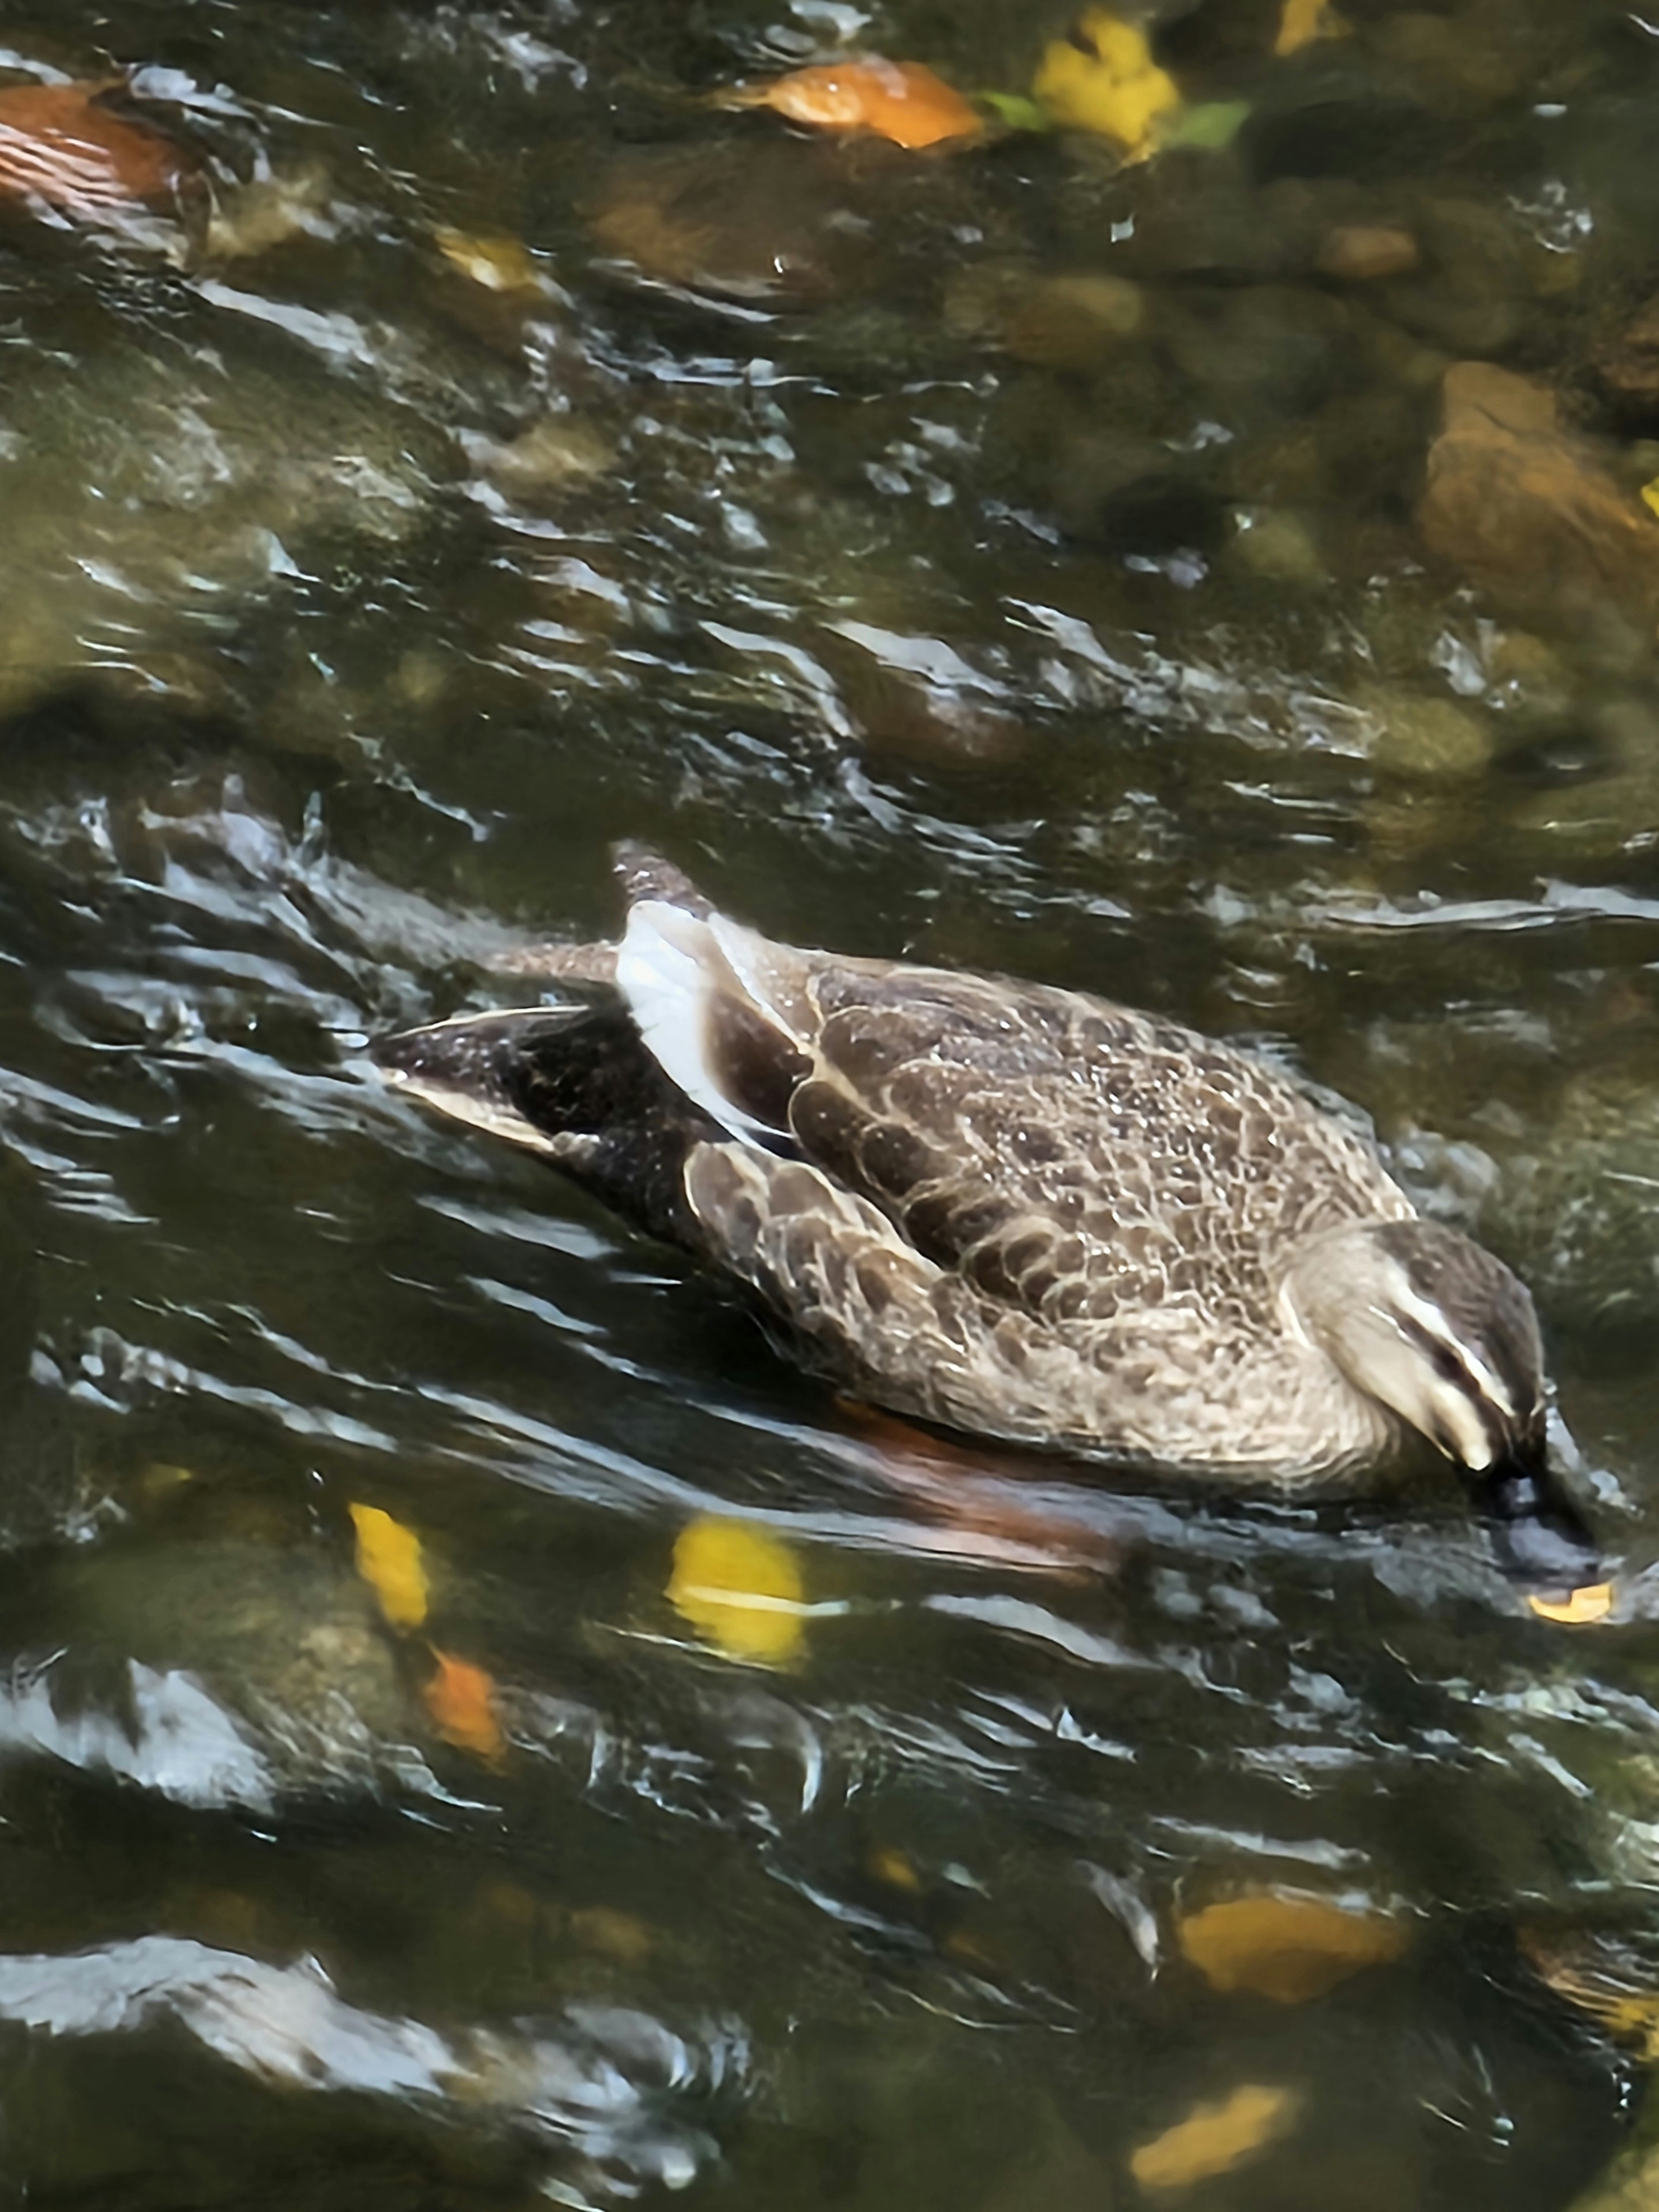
(1451, 1366)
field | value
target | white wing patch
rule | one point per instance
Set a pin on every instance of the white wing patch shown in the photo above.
(671, 967)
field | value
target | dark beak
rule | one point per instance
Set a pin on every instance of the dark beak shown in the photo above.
(1540, 1537)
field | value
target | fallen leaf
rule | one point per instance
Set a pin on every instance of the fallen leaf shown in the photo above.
(461, 1701)
(1598, 1975)
(1288, 1949)
(740, 1590)
(60, 144)
(1650, 495)
(158, 1478)
(498, 263)
(1215, 2138)
(1210, 128)
(1591, 1601)
(1304, 21)
(902, 101)
(895, 1868)
(1100, 76)
(1015, 110)
(389, 1560)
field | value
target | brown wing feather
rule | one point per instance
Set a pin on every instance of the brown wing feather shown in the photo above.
(866, 1309)
(1067, 1156)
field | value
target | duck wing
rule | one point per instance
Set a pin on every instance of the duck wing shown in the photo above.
(1061, 1156)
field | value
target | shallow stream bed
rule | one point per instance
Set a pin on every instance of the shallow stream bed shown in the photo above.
(1222, 580)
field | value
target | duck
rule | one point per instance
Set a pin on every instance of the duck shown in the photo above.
(1011, 1210)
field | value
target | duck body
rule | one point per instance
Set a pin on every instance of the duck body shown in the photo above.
(1013, 1209)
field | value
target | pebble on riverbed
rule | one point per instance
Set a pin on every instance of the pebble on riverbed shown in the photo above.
(1415, 734)
(1530, 511)
(1360, 253)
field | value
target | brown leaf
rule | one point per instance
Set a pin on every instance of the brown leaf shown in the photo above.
(62, 144)
(1286, 1947)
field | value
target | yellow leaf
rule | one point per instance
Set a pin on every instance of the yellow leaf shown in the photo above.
(898, 101)
(1100, 76)
(389, 1560)
(1591, 1601)
(895, 1868)
(740, 1590)
(1304, 21)
(500, 263)
(1214, 2138)
(1288, 1949)
(461, 1700)
(1650, 495)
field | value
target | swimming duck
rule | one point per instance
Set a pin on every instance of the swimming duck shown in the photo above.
(1012, 1210)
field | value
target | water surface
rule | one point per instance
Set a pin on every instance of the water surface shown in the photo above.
(774, 498)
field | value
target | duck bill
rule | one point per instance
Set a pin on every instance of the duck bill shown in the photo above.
(1539, 1537)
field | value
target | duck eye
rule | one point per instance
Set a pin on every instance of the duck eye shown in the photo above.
(1078, 37)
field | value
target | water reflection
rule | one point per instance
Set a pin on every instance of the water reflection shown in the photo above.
(1015, 559)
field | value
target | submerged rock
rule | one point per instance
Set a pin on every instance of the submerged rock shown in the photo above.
(760, 224)
(1360, 253)
(1530, 511)
(1629, 366)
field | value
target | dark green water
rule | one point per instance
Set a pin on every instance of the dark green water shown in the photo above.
(798, 517)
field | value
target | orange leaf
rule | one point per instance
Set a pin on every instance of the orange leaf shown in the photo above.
(1288, 1949)
(461, 1700)
(1214, 2138)
(59, 143)
(900, 100)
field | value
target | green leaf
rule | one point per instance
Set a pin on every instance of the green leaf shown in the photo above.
(1209, 127)
(1014, 109)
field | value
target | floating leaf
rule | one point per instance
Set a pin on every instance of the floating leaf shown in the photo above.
(1210, 128)
(740, 1590)
(1100, 76)
(1015, 110)
(1288, 1949)
(497, 262)
(1590, 1602)
(1304, 21)
(1215, 2138)
(899, 101)
(62, 145)
(896, 1869)
(461, 1701)
(389, 1559)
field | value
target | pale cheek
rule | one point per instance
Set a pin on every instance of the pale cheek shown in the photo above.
(1452, 1421)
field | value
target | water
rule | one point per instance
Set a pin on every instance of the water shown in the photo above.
(999, 558)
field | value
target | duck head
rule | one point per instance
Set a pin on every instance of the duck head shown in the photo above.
(1430, 1325)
